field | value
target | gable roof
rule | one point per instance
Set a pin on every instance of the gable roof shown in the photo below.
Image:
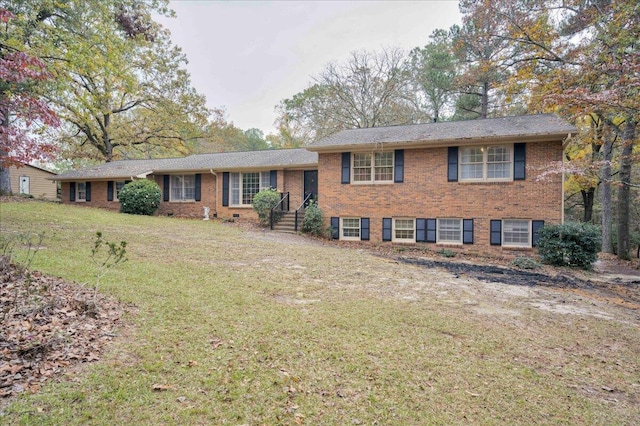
(526, 127)
(245, 160)
(35, 167)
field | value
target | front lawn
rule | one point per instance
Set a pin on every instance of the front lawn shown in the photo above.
(243, 327)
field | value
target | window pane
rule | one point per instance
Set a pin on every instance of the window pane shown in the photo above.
(351, 227)
(176, 187)
(498, 170)
(471, 171)
(361, 167)
(384, 166)
(82, 191)
(516, 232)
(471, 163)
(265, 180)
(471, 155)
(235, 188)
(189, 190)
(250, 186)
(450, 230)
(499, 162)
(404, 229)
(119, 186)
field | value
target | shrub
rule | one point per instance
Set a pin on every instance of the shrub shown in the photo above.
(571, 244)
(263, 202)
(313, 221)
(447, 253)
(140, 197)
(525, 263)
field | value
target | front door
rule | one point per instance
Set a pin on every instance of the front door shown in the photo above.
(311, 184)
(24, 185)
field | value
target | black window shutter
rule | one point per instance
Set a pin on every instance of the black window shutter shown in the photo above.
(198, 194)
(110, 190)
(87, 187)
(346, 167)
(519, 161)
(273, 179)
(398, 166)
(386, 229)
(335, 228)
(467, 231)
(364, 229)
(536, 226)
(452, 164)
(431, 230)
(72, 191)
(496, 232)
(421, 230)
(225, 189)
(165, 188)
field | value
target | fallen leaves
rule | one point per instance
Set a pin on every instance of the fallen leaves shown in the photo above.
(47, 326)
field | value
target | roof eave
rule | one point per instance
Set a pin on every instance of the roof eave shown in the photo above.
(546, 137)
(101, 178)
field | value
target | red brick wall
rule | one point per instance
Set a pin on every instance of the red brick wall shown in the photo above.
(192, 209)
(293, 183)
(98, 196)
(426, 193)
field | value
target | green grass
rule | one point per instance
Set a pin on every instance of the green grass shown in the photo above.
(311, 334)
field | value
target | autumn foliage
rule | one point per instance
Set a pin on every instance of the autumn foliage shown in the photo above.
(22, 112)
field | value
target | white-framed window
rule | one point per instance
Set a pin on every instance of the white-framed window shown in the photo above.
(372, 167)
(350, 228)
(183, 188)
(404, 230)
(81, 191)
(117, 187)
(486, 163)
(516, 233)
(449, 231)
(244, 185)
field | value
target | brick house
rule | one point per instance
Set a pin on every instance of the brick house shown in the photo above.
(223, 182)
(469, 184)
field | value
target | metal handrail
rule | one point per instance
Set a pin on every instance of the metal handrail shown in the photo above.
(302, 206)
(285, 196)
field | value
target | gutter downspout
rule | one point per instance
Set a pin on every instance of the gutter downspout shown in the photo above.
(564, 145)
(215, 199)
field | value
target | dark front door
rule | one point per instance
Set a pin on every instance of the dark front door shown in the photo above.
(311, 183)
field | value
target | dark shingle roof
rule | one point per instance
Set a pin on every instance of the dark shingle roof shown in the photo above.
(278, 158)
(125, 169)
(526, 126)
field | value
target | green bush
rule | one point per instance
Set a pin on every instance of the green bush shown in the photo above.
(263, 202)
(571, 244)
(524, 262)
(313, 221)
(140, 197)
(447, 253)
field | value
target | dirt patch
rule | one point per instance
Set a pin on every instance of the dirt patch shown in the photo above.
(623, 290)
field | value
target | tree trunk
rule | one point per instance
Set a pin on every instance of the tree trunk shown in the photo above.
(588, 196)
(5, 177)
(624, 192)
(5, 180)
(607, 210)
(484, 101)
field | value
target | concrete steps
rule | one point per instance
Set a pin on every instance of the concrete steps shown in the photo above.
(286, 224)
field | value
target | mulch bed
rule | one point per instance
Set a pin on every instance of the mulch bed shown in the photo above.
(48, 325)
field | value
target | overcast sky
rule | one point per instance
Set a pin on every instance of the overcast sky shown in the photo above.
(246, 56)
